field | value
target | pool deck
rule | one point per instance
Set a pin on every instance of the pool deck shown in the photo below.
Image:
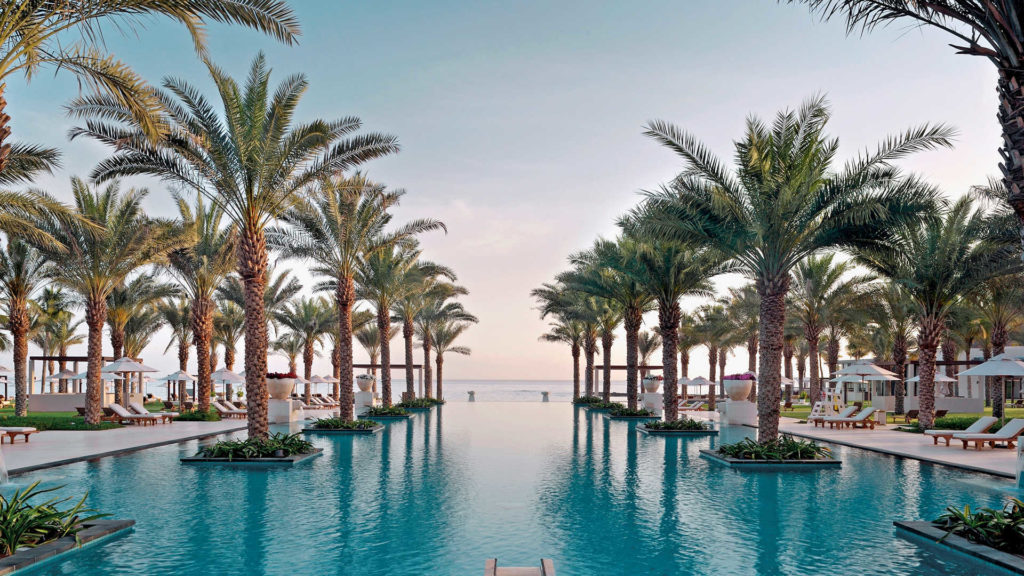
(56, 448)
(888, 440)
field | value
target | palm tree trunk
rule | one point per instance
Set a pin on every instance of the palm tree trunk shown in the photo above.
(95, 317)
(5, 129)
(723, 357)
(117, 341)
(986, 354)
(428, 370)
(801, 370)
(384, 327)
(1011, 118)
(575, 371)
(832, 356)
(787, 367)
(632, 321)
(440, 378)
(812, 360)
(752, 366)
(182, 357)
(18, 324)
(410, 379)
(336, 370)
(771, 330)
(684, 366)
(252, 266)
(307, 370)
(606, 350)
(589, 350)
(999, 338)
(669, 315)
(202, 335)
(930, 330)
(712, 365)
(345, 296)
(62, 384)
(899, 358)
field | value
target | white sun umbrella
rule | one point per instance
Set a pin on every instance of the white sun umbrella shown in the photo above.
(4, 369)
(179, 376)
(107, 377)
(1006, 366)
(938, 378)
(847, 378)
(127, 365)
(700, 381)
(865, 369)
(787, 381)
(62, 375)
(225, 375)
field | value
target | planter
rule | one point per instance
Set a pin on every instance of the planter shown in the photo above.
(395, 417)
(931, 534)
(91, 532)
(280, 388)
(343, 432)
(631, 417)
(738, 389)
(365, 382)
(771, 465)
(656, 432)
(651, 385)
(256, 462)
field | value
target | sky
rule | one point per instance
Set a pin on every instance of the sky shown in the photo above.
(521, 123)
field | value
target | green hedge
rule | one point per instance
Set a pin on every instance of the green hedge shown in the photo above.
(339, 424)
(680, 424)
(382, 411)
(75, 423)
(197, 416)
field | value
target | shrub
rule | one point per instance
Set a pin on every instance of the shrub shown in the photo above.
(386, 411)
(680, 424)
(783, 448)
(288, 444)
(606, 405)
(75, 423)
(948, 423)
(999, 529)
(620, 410)
(27, 525)
(198, 416)
(420, 403)
(584, 400)
(339, 424)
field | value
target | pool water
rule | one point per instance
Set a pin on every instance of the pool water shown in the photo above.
(518, 481)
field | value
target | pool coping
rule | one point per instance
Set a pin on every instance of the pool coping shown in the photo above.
(344, 432)
(771, 465)
(896, 454)
(121, 451)
(255, 462)
(939, 537)
(91, 532)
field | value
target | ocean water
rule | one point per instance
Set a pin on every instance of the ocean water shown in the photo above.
(440, 493)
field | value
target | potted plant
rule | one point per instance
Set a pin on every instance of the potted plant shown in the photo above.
(365, 382)
(737, 386)
(280, 384)
(652, 383)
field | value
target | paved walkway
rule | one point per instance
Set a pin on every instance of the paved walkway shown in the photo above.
(55, 448)
(888, 440)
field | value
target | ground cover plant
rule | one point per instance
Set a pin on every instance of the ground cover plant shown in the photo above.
(783, 448)
(274, 446)
(386, 411)
(999, 529)
(339, 424)
(680, 424)
(27, 523)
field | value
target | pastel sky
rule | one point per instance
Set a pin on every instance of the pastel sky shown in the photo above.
(521, 122)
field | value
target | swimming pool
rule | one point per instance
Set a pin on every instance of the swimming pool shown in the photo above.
(517, 481)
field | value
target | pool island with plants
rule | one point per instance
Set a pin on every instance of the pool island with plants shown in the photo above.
(620, 412)
(340, 427)
(278, 449)
(783, 453)
(681, 427)
(386, 413)
(420, 404)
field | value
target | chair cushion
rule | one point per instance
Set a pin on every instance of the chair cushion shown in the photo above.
(17, 429)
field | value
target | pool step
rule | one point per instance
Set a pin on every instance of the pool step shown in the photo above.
(547, 568)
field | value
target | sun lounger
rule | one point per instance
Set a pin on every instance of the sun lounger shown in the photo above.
(126, 416)
(228, 412)
(1007, 434)
(861, 420)
(911, 415)
(846, 413)
(692, 406)
(13, 432)
(140, 409)
(980, 426)
(941, 413)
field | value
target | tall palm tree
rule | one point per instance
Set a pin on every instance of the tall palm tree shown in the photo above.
(570, 332)
(34, 35)
(785, 201)
(340, 223)
(177, 315)
(139, 331)
(647, 343)
(444, 336)
(439, 307)
(360, 319)
(610, 270)
(277, 293)
(290, 344)
(252, 163)
(1001, 304)
(199, 268)
(418, 283)
(228, 325)
(111, 239)
(688, 337)
(892, 314)
(990, 29)
(62, 333)
(714, 326)
(130, 298)
(308, 320)
(23, 271)
(938, 262)
(369, 338)
(743, 306)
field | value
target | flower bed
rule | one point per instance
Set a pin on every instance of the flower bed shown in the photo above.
(993, 536)
(604, 406)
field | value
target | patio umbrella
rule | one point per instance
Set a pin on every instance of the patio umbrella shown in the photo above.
(700, 381)
(225, 375)
(846, 378)
(938, 378)
(866, 369)
(1006, 366)
(127, 365)
(180, 377)
(105, 377)
(5, 368)
(62, 375)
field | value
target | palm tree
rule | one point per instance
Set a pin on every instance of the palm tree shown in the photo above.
(993, 30)
(308, 320)
(418, 284)
(110, 239)
(199, 268)
(138, 333)
(892, 314)
(360, 319)
(647, 344)
(743, 306)
(22, 272)
(438, 307)
(714, 327)
(784, 202)
(369, 338)
(290, 344)
(938, 262)
(688, 337)
(129, 299)
(609, 318)
(252, 163)
(177, 315)
(61, 329)
(1001, 304)
(277, 293)
(571, 332)
(610, 270)
(340, 223)
(444, 336)
(228, 324)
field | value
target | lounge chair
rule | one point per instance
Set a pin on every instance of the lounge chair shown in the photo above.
(911, 415)
(13, 432)
(861, 420)
(126, 416)
(846, 413)
(141, 410)
(787, 406)
(941, 413)
(980, 426)
(1007, 433)
(696, 405)
(228, 412)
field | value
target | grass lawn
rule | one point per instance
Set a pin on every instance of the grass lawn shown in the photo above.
(60, 420)
(802, 412)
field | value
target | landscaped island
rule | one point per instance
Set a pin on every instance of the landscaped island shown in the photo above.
(386, 413)
(275, 449)
(340, 426)
(681, 427)
(786, 452)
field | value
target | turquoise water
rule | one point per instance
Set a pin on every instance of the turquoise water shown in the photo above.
(442, 492)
